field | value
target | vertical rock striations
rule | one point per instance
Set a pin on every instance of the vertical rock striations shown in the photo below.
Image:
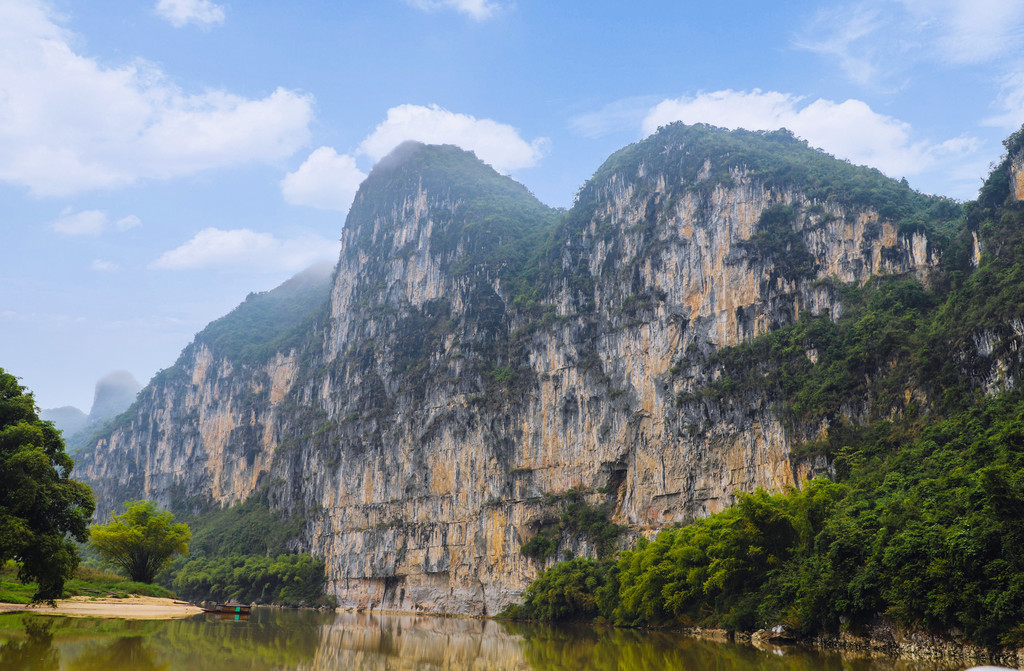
(479, 355)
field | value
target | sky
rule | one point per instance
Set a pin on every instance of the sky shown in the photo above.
(161, 159)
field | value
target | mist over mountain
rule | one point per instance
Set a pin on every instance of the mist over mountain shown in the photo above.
(115, 392)
(68, 419)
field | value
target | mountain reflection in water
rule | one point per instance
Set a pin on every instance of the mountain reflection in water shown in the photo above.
(275, 639)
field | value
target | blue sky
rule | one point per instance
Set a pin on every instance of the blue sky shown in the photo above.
(161, 159)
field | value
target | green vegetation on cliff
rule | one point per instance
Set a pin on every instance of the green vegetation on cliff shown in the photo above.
(703, 156)
(924, 518)
(578, 518)
(269, 322)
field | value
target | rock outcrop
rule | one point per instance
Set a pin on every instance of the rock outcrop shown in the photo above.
(1017, 176)
(480, 355)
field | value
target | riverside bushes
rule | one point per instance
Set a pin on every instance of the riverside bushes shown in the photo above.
(238, 555)
(287, 580)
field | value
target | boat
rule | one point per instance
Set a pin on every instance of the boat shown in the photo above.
(229, 608)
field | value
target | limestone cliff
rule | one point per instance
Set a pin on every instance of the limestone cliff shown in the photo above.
(480, 355)
(1017, 175)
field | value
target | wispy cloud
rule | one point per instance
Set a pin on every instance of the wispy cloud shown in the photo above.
(877, 43)
(496, 143)
(326, 180)
(183, 12)
(1009, 103)
(968, 31)
(91, 222)
(627, 113)
(477, 9)
(246, 250)
(69, 123)
(848, 35)
(125, 223)
(849, 130)
(88, 222)
(104, 266)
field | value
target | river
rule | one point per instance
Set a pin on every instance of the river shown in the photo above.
(307, 640)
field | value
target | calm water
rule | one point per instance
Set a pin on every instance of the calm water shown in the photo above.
(275, 639)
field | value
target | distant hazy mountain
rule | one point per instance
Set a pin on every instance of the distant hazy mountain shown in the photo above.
(68, 418)
(115, 392)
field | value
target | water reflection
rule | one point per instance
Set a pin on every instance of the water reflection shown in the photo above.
(32, 652)
(277, 639)
(369, 641)
(608, 649)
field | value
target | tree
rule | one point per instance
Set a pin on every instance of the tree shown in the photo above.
(41, 508)
(140, 540)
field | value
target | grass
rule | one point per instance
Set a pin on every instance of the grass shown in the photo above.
(84, 582)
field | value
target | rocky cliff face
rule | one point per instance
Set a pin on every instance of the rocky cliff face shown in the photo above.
(1017, 176)
(482, 355)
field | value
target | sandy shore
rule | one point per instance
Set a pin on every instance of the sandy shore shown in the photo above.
(129, 608)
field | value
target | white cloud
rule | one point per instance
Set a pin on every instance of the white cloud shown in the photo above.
(124, 223)
(69, 124)
(91, 222)
(478, 9)
(104, 266)
(496, 143)
(88, 222)
(326, 180)
(243, 249)
(850, 130)
(182, 12)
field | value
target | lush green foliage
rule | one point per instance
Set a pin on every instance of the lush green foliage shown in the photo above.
(567, 591)
(287, 579)
(41, 508)
(237, 553)
(719, 564)
(140, 540)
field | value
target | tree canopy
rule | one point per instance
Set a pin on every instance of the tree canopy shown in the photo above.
(140, 540)
(41, 508)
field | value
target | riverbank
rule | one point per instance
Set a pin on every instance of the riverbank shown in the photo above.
(127, 608)
(878, 640)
